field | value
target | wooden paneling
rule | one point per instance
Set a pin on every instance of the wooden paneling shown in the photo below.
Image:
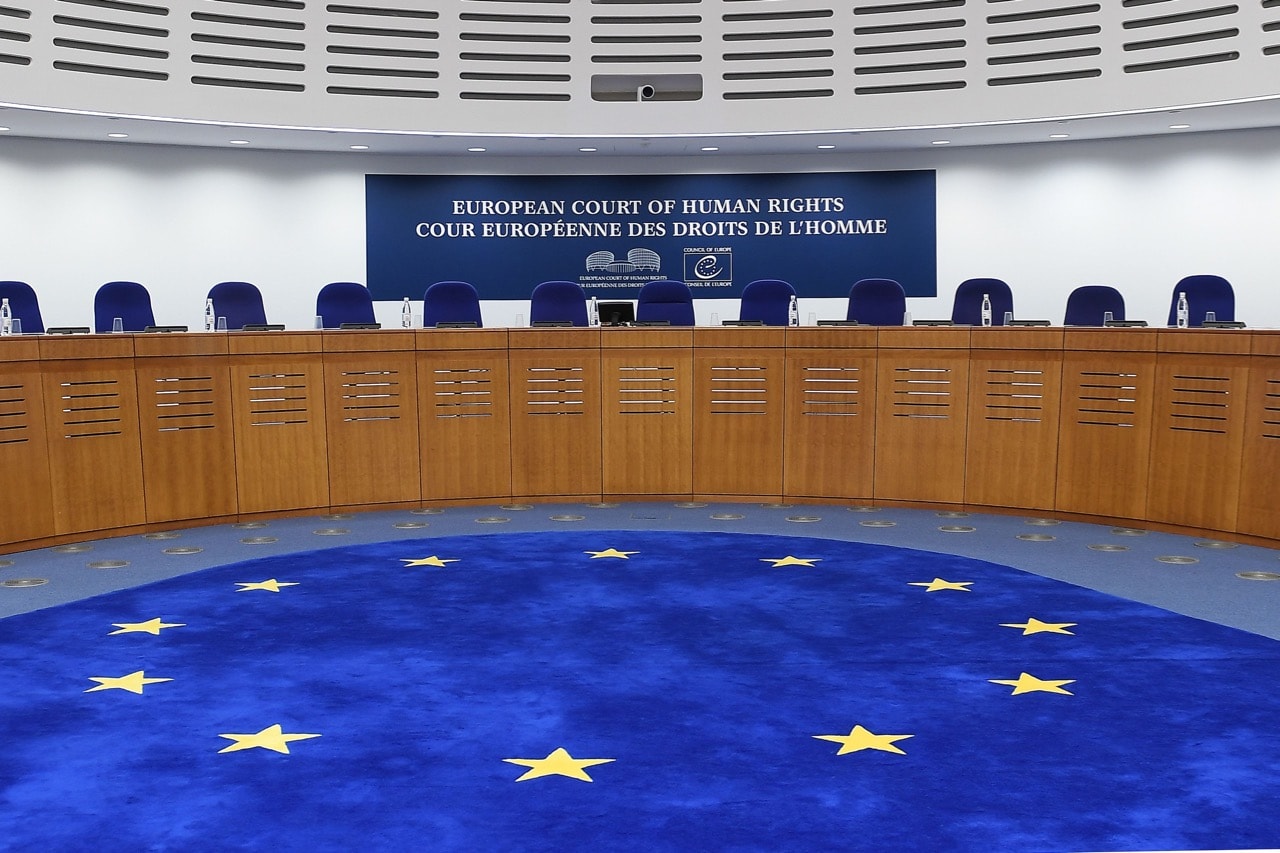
(739, 399)
(26, 500)
(921, 408)
(371, 417)
(1014, 397)
(1259, 509)
(281, 458)
(555, 413)
(464, 414)
(647, 413)
(830, 423)
(1104, 433)
(1198, 428)
(91, 412)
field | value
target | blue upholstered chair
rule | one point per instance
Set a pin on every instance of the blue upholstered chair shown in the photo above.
(558, 302)
(665, 300)
(24, 305)
(450, 302)
(768, 301)
(1088, 305)
(127, 300)
(877, 302)
(966, 310)
(1204, 293)
(239, 302)
(341, 302)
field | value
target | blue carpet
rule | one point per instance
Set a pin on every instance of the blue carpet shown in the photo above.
(631, 691)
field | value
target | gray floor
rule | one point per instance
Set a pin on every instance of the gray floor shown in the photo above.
(1235, 585)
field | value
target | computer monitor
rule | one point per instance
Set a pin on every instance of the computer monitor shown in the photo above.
(617, 313)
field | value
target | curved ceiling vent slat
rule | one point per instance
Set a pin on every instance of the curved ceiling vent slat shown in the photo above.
(111, 38)
(387, 50)
(907, 48)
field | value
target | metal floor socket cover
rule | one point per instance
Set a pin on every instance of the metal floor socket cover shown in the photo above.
(331, 531)
(1128, 531)
(337, 516)
(1223, 546)
(951, 513)
(863, 508)
(568, 517)
(602, 505)
(186, 549)
(1035, 537)
(957, 528)
(516, 507)
(72, 549)
(4, 564)
(409, 525)
(1108, 547)
(259, 540)
(427, 510)
(162, 536)
(778, 506)
(492, 519)
(1179, 561)
(107, 564)
(803, 518)
(1042, 522)
(21, 582)
(727, 516)
(250, 525)
(690, 505)
(878, 523)
(1258, 576)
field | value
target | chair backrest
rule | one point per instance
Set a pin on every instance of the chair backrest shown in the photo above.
(558, 302)
(767, 300)
(341, 302)
(127, 300)
(877, 302)
(450, 302)
(966, 310)
(24, 305)
(239, 302)
(1087, 305)
(665, 300)
(1204, 293)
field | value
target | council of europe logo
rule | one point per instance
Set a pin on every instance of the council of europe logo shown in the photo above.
(708, 267)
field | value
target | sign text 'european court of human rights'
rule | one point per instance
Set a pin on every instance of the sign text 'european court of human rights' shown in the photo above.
(614, 234)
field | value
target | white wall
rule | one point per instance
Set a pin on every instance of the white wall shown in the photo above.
(1137, 214)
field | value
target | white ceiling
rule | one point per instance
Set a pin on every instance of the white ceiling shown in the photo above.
(22, 121)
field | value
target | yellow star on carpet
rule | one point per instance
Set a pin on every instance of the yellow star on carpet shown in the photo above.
(426, 561)
(779, 562)
(938, 584)
(151, 626)
(1035, 626)
(558, 763)
(859, 739)
(1027, 683)
(133, 682)
(271, 585)
(272, 738)
(611, 552)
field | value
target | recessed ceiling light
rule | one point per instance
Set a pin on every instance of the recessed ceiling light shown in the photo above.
(710, 148)
(477, 150)
(4, 130)
(1059, 136)
(942, 142)
(238, 142)
(588, 150)
(359, 147)
(825, 147)
(117, 136)
(1179, 126)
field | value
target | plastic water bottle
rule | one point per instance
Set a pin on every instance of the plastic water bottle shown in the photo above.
(793, 313)
(986, 310)
(6, 318)
(406, 315)
(210, 317)
(593, 315)
(1184, 311)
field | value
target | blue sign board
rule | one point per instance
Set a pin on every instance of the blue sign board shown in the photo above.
(613, 234)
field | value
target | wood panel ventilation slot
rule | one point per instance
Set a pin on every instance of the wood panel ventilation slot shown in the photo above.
(1107, 399)
(1014, 395)
(1200, 404)
(463, 392)
(278, 399)
(647, 390)
(741, 390)
(184, 403)
(371, 395)
(90, 408)
(554, 391)
(15, 414)
(831, 391)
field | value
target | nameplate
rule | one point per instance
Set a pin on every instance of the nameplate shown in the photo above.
(837, 322)
(932, 323)
(263, 327)
(551, 324)
(1222, 324)
(1029, 323)
(1125, 324)
(458, 324)
(67, 330)
(165, 329)
(360, 326)
(742, 322)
